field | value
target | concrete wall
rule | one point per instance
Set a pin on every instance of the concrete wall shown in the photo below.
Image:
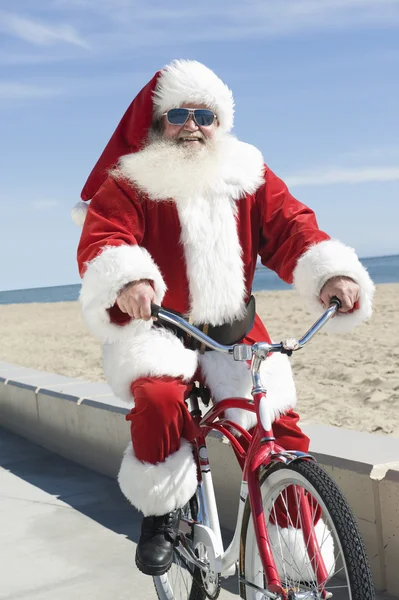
(84, 422)
(364, 466)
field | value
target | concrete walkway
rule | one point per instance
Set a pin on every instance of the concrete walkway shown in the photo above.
(66, 532)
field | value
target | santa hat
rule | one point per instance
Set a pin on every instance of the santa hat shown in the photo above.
(179, 82)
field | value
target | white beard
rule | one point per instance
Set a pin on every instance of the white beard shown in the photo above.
(165, 169)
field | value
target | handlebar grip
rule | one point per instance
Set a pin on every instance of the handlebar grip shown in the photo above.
(155, 309)
(334, 300)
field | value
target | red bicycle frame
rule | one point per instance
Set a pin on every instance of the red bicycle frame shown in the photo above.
(262, 451)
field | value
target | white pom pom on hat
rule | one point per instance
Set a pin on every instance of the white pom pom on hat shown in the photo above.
(79, 212)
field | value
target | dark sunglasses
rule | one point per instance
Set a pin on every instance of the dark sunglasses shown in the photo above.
(202, 116)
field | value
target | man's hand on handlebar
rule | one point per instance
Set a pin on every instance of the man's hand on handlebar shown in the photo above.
(135, 299)
(345, 289)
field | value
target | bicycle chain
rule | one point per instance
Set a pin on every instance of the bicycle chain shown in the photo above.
(217, 592)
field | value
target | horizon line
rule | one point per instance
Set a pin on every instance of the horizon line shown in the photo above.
(41, 287)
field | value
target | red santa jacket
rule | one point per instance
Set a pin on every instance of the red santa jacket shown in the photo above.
(199, 241)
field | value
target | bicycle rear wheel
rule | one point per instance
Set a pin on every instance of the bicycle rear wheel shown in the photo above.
(181, 582)
(349, 576)
(184, 580)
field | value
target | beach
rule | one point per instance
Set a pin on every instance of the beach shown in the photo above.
(349, 381)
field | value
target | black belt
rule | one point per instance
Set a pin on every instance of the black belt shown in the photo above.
(226, 334)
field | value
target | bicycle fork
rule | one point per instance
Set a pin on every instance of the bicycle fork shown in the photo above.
(312, 544)
(264, 457)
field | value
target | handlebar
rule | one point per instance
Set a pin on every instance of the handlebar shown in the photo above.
(245, 352)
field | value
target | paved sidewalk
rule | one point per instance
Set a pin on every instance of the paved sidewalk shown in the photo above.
(66, 532)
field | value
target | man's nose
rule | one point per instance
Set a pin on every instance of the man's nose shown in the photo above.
(190, 124)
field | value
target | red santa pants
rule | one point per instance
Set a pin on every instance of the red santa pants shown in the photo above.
(161, 418)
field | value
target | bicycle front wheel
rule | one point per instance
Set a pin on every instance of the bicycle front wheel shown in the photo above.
(333, 523)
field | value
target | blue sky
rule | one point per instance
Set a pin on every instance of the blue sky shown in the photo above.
(315, 83)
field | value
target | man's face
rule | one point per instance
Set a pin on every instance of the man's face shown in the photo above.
(190, 134)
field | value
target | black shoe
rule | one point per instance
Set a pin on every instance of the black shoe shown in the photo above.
(159, 535)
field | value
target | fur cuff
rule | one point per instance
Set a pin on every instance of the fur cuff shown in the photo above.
(155, 353)
(161, 488)
(289, 544)
(104, 278)
(329, 259)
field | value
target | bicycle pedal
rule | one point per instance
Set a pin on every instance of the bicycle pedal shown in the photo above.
(185, 528)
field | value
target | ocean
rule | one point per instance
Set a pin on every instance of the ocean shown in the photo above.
(382, 269)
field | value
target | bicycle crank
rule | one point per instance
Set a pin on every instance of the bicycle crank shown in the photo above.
(210, 579)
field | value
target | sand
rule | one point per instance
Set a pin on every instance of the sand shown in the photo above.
(350, 381)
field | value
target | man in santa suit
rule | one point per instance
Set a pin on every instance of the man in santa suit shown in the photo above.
(180, 211)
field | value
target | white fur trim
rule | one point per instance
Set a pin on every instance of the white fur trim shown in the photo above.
(227, 378)
(290, 550)
(230, 168)
(329, 259)
(153, 353)
(190, 81)
(160, 488)
(104, 278)
(79, 213)
(213, 260)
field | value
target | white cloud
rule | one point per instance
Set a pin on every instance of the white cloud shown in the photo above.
(240, 18)
(334, 175)
(112, 26)
(292, 15)
(31, 58)
(38, 33)
(18, 91)
(387, 153)
(43, 205)
(36, 88)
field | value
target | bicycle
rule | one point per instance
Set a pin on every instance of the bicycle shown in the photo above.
(318, 555)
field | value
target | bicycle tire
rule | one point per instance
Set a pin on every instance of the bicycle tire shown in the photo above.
(196, 591)
(340, 521)
(166, 585)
